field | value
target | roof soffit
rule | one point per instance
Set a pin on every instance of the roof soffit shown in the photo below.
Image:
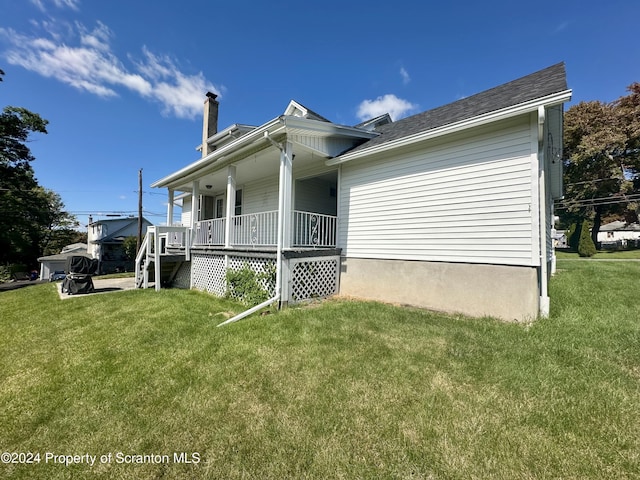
(255, 141)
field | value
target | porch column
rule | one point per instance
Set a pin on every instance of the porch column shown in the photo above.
(195, 200)
(231, 203)
(286, 159)
(284, 220)
(170, 208)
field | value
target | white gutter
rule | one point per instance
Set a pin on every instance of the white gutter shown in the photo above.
(526, 107)
(280, 238)
(542, 209)
(251, 310)
(183, 174)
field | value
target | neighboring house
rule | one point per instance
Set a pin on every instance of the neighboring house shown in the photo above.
(58, 262)
(560, 239)
(450, 209)
(619, 234)
(105, 240)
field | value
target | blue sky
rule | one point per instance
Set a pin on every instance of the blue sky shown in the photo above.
(122, 83)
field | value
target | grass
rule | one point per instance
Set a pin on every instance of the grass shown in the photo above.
(604, 255)
(341, 389)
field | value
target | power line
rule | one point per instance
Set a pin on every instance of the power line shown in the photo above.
(588, 203)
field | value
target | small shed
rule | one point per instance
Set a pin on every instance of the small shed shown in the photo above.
(53, 263)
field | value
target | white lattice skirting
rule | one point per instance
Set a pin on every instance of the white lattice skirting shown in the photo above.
(310, 277)
(209, 271)
(314, 277)
(183, 277)
(257, 265)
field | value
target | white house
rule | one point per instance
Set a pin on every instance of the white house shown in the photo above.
(619, 234)
(105, 240)
(450, 209)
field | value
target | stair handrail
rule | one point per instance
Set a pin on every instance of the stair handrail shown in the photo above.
(140, 257)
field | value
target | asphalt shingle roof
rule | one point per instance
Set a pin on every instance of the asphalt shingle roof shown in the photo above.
(536, 85)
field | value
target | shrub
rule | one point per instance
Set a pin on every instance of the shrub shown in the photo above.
(250, 287)
(586, 248)
(573, 235)
(5, 273)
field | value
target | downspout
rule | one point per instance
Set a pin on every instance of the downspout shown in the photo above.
(279, 241)
(544, 302)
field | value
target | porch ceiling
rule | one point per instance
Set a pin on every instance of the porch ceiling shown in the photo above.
(257, 166)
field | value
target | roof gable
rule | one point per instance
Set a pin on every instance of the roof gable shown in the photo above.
(296, 109)
(536, 85)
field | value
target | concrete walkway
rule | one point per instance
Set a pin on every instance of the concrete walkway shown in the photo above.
(102, 286)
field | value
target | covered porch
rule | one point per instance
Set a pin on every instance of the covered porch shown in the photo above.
(262, 197)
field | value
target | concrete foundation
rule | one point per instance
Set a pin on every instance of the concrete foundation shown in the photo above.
(505, 292)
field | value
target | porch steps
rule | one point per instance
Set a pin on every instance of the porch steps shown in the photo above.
(169, 266)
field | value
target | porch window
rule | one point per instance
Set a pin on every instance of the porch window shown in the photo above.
(238, 210)
(206, 207)
(219, 207)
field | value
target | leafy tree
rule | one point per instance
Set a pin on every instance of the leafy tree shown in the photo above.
(29, 214)
(130, 247)
(602, 147)
(54, 222)
(61, 237)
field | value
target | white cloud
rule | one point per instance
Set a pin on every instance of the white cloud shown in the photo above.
(394, 106)
(67, 3)
(72, 4)
(180, 94)
(405, 76)
(85, 61)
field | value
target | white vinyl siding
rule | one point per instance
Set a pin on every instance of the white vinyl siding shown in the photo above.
(467, 199)
(261, 196)
(316, 195)
(185, 217)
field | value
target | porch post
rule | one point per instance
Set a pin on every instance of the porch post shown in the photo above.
(170, 208)
(157, 261)
(195, 200)
(284, 220)
(287, 213)
(231, 203)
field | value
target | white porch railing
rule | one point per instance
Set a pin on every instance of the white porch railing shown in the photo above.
(255, 229)
(176, 238)
(314, 229)
(261, 230)
(210, 232)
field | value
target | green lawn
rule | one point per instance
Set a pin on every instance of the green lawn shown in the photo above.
(339, 389)
(604, 254)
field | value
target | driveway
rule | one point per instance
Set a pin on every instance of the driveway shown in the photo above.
(105, 285)
(19, 284)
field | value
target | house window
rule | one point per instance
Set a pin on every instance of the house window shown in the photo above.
(238, 210)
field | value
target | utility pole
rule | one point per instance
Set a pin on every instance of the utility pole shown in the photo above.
(139, 241)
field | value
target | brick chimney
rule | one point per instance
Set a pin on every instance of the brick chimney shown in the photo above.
(210, 121)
